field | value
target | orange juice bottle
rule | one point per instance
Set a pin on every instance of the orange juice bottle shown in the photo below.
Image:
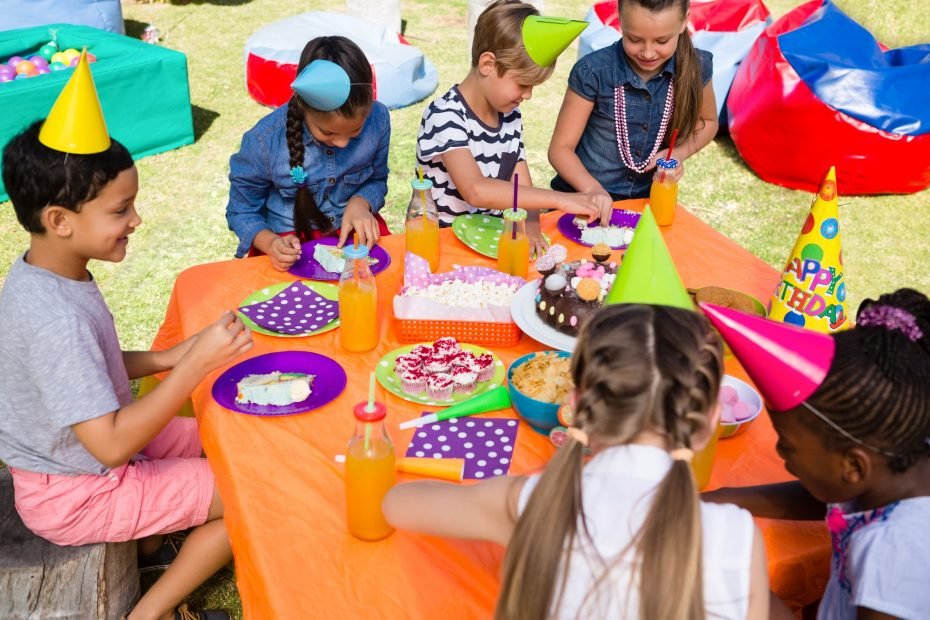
(703, 462)
(370, 473)
(664, 193)
(513, 249)
(358, 302)
(422, 225)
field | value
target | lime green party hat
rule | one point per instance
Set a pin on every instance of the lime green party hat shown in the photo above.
(648, 275)
(546, 37)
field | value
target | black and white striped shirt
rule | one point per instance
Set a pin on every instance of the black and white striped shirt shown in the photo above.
(448, 123)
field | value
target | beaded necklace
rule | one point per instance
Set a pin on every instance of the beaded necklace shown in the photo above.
(623, 135)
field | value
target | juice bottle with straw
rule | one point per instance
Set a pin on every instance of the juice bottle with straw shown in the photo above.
(370, 471)
(664, 193)
(358, 302)
(513, 248)
(422, 225)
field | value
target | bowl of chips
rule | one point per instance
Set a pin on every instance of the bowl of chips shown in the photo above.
(539, 383)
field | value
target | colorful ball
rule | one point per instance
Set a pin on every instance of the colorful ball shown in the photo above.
(5, 77)
(21, 76)
(59, 57)
(42, 70)
(14, 60)
(48, 50)
(24, 66)
(57, 66)
(91, 57)
(74, 61)
(8, 71)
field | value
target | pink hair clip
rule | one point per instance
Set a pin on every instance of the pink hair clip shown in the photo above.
(891, 318)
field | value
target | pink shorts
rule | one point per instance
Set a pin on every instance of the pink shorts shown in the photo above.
(170, 490)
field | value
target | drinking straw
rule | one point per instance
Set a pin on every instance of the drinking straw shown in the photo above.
(369, 408)
(422, 192)
(671, 145)
(516, 178)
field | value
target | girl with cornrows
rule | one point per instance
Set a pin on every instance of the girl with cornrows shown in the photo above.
(624, 101)
(304, 172)
(622, 535)
(859, 445)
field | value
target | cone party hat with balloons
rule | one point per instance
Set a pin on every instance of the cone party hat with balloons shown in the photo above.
(812, 289)
(75, 123)
(786, 363)
(546, 37)
(648, 275)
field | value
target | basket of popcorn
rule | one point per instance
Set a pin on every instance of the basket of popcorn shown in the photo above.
(471, 304)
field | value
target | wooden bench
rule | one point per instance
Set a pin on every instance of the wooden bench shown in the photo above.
(39, 579)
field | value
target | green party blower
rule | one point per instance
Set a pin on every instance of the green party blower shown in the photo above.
(492, 400)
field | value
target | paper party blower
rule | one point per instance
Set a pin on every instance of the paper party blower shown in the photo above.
(75, 123)
(812, 292)
(786, 363)
(323, 85)
(444, 469)
(546, 37)
(493, 400)
(648, 275)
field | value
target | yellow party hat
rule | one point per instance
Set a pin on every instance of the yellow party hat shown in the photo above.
(75, 124)
(812, 291)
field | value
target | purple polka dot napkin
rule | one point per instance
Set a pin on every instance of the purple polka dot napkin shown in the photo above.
(298, 309)
(486, 444)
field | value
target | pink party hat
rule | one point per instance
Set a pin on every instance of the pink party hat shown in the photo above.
(786, 363)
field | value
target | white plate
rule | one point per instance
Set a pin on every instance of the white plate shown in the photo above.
(523, 311)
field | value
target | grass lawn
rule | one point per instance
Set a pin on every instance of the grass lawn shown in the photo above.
(183, 193)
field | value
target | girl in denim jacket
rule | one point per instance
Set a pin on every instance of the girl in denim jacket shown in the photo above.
(303, 172)
(623, 101)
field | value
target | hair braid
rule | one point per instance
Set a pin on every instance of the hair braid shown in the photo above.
(307, 214)
(878, 385)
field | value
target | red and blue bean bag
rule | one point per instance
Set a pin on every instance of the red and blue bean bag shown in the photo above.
(403, 75)
(818, 90)
(726, 28)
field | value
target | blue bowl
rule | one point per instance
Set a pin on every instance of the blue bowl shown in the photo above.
(540, 415)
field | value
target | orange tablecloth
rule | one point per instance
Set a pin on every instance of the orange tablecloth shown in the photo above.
(284, 493)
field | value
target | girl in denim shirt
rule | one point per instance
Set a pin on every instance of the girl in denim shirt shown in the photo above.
(304, 173)
(623, 102)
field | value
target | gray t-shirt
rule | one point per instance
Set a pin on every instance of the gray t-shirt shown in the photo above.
(60, 364)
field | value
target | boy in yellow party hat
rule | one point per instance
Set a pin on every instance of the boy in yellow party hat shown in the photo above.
(89, 464)
(470, 142)
(812, 289)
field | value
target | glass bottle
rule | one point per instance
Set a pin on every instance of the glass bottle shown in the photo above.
(369, 474)
(358, 302)
(664, 193)
(422, 223)
(513, 249)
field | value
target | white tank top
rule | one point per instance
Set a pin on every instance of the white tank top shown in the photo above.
(617, 485)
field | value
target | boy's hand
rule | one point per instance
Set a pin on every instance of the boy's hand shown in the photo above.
(538, 245)
(358, 218)
(171, 357)
(284, 252)
(219, 343)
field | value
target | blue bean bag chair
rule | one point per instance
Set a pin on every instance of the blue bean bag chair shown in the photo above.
(726, 28)
(403, 75)
(102, 14)
(818, 90)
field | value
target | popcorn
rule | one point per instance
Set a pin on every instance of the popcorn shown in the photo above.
(460, 294)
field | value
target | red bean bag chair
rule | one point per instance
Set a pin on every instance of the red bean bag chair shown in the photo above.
(818, 90)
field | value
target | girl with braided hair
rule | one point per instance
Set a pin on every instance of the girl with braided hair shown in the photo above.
(859, 445)
(315, 166)
(622, 535)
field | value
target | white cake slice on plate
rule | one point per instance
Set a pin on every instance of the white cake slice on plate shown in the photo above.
(276, 388)
(330, 258)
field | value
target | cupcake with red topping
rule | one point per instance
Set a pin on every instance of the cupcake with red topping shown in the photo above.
(423, 351)
(413, 380)
(465, 359)
(484, 366)
(439, 386)
(447, 345)
(407, 362)
(463, 380)
(436, 364)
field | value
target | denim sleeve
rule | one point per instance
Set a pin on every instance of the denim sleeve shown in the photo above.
(706, 60)
(249, 186)
(375, 188)
(582, 80)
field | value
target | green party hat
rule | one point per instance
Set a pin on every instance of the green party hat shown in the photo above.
(648, 275)
(546, 37)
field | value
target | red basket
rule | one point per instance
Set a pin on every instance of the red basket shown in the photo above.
(474, 332)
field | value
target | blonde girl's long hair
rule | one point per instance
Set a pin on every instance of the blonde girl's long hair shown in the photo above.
(635, 367)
